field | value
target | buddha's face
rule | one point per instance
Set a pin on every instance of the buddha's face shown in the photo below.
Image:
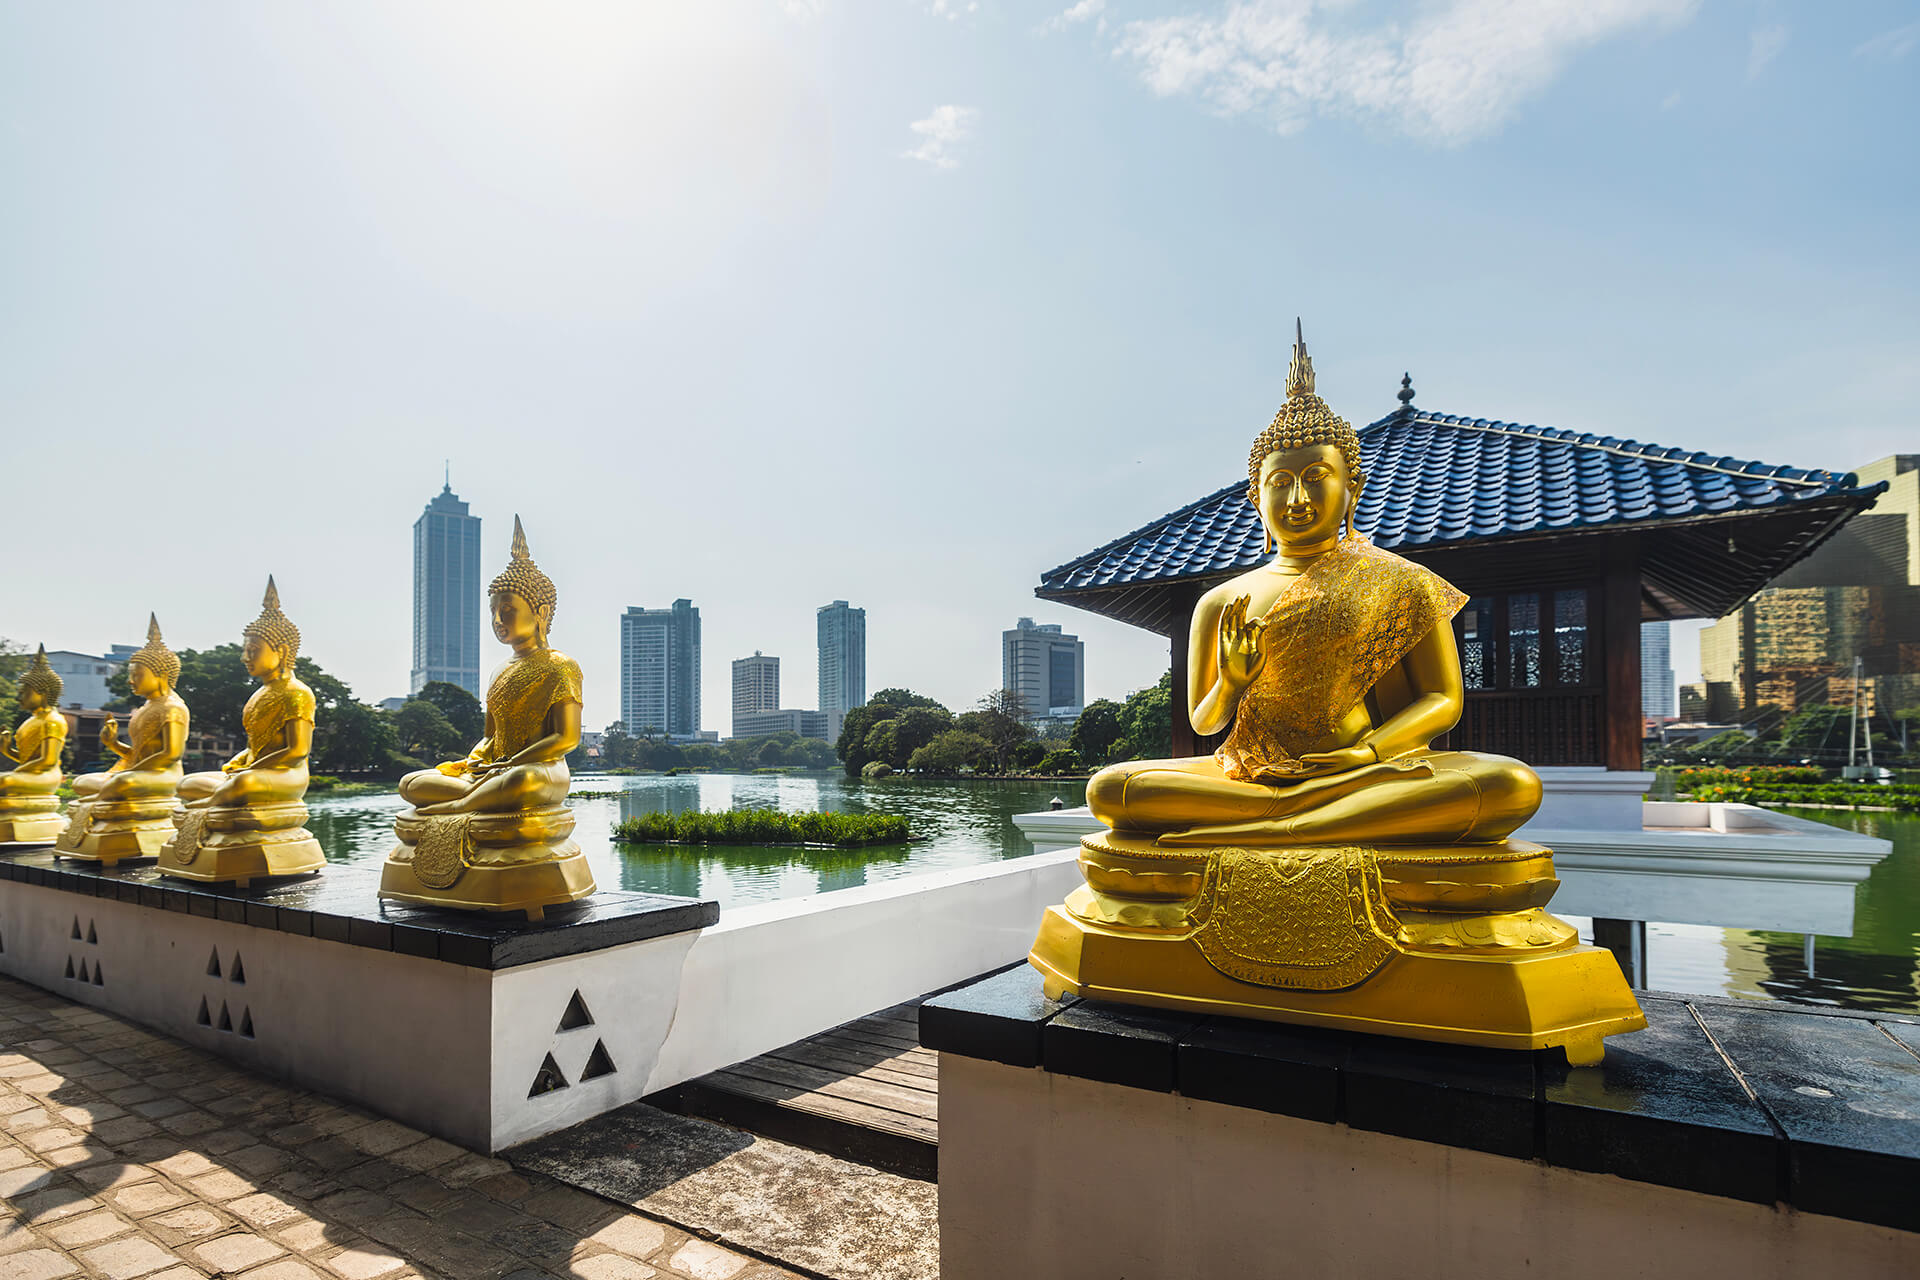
(31, 699)
(262, 659)
(1304, 494)
(143, 682)
(515, 622)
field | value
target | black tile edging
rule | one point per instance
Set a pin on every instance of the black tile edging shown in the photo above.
(1691, 1123)
(472, 941)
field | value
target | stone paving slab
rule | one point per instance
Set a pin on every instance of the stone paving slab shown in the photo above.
(809, 1210)
(127, 1155)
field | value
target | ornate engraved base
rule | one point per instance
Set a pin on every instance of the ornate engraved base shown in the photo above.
(31, 820)
(1449, 943)
(487, 861)
(114, 831)
(240, 845)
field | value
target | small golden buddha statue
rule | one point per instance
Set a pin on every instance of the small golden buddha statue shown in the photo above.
(247, 819)
(493, 832)
(1326, 865)
(127, 810)
(29, 807)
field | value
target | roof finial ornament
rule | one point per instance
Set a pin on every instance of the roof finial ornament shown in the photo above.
(1300, 372)
(1405, 396)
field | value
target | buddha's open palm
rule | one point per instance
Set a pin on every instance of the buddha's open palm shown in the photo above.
(1241, 655)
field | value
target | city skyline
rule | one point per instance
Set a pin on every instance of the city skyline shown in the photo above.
(660, 669)
(289, 269)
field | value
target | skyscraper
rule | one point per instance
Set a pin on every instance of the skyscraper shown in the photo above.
(1656, 670)
(756, 686)
(660, 669)
(1046, 667)
(446, 594)
(843, 662)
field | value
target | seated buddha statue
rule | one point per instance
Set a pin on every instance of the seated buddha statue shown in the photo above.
(126, 811)
(492, 832)
(1326, 861)
(247, 819)
(29, 808)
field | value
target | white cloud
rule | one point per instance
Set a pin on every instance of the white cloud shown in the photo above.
(952, 9)
(1766, 46)
(1453, 74)
(806, 10)
(1084, 11)
(942, 135)
(1891, 46)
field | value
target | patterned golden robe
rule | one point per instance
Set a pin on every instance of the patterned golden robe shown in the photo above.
(1337, 628)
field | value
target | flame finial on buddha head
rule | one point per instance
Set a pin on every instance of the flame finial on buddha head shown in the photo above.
(523, 577)
(156, 657)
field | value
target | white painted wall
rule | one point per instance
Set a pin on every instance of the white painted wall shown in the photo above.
(1048, 1175)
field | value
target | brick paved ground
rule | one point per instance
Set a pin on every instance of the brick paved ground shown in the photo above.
(125, 1154)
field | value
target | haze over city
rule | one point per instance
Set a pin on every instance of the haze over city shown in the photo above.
(771, 304)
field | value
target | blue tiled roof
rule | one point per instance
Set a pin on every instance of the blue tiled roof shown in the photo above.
(1436, 481)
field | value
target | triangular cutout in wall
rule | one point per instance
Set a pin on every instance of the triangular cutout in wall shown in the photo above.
(76, 928)
(205, 1019)
(599, 1062)
(69, 966)
(239, 972)
(93, 939)
(246, 1023)
(576, 1014)
(548, 1079)
(226, 1019)
(213, 963)
(83, 969)
(98, 981)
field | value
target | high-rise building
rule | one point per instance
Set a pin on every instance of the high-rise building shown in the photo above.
(660, 670)
(1656, 670)
(843, 662)
(446, 594)
(1046, 667)
(758, 724)
(756, 687)
(1857, 595)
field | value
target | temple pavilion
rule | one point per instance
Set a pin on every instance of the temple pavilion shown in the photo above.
(1566, 543)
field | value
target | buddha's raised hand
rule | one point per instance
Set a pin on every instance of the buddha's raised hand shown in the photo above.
(1241, 656)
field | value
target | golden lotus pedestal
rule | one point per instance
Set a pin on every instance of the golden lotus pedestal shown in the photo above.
(31, 820)
(113, 831)
(487, 861)
(240, 844)
(1442, 942)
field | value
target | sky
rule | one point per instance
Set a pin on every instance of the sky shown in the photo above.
(768, 303)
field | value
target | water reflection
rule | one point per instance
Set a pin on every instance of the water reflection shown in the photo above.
(956, 824)
(1877, 969)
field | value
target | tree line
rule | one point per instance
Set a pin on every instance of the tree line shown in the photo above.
(899, 730)
(650, 749)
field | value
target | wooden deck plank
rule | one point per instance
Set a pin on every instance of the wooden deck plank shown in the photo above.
(860, 1113)
(918, 1061)
(855, 1088)
(854, 1067)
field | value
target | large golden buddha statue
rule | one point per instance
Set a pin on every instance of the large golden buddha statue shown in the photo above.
(247, 819)
(29, 805)
(1326, 865)
(493, 832)
(127, 810)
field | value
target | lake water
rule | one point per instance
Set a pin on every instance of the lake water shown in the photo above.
(955, 824)
(968, 823)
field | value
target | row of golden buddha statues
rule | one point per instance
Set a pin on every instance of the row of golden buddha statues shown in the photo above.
(491, 832)
(1325, 866)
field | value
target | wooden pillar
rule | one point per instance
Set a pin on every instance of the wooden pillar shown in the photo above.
(1620, 620)
(1185, 741)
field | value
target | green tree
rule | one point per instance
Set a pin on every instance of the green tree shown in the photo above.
(857, 741)
(952, 751)
(616, 748)
(423, 730)
(1061, 760)
(1098, 730)
(1147, 722)
(1817, 732)
(1000, 719)
(13, 662)
(462, 710)
(1025, 755)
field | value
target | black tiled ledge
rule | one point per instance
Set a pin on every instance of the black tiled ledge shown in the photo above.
(342, 904)
(1769, 1103)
